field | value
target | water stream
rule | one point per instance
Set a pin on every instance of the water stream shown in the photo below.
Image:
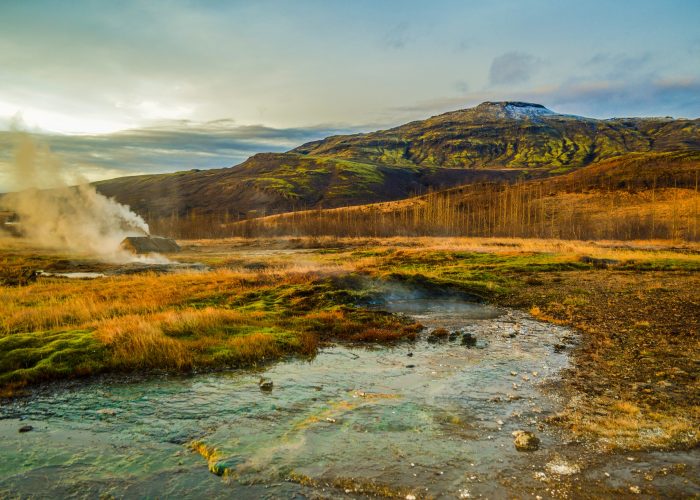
(429, 419)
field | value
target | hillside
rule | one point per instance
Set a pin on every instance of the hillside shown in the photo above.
(280, 182)
(636, 196)
(512, 135)
(493, 141)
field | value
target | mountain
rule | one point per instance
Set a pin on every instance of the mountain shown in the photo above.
(492, 141)
(510, 134)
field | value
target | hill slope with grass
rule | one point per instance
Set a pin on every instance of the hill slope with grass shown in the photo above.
(280, 182)
(492, 141)
(636, 196)
(512, 135)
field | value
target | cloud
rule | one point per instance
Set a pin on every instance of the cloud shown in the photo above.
(398, 36)
(461, 86)
(512, 67)
(679, 97)
(618, 66)
(167, 147)
(465, 44)
(694, 47)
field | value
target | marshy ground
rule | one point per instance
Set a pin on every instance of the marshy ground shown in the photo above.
(629, 392)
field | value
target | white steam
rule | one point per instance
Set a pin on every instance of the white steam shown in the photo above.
(77, 218)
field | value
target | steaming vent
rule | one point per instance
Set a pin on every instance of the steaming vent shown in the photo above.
(149, 244)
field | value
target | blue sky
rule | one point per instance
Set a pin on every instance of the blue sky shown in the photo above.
(298, 70)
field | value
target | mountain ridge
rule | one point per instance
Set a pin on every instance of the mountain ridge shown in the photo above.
(500, 141)
(490, 134)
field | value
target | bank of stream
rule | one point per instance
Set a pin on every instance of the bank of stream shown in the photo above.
(431, 418)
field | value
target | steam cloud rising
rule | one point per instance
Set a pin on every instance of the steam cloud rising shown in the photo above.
(60, 210)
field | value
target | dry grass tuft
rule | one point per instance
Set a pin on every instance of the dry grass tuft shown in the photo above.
(625, 426)
(137, 342)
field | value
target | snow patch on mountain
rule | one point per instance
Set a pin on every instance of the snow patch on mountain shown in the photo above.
(515, 110)
(527, 111)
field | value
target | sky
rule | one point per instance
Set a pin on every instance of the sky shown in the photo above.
(129, 87)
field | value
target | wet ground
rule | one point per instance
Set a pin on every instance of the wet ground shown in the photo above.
(425, 419)
(79, 270)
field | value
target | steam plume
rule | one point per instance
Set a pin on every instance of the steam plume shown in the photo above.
(59, 209)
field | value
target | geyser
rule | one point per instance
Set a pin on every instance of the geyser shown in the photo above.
(59, 209)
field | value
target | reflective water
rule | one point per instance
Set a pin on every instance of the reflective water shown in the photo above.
(427, 419)
(76, 275)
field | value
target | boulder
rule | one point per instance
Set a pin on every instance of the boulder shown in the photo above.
(149, 244)
(525, 441)
(265, 384)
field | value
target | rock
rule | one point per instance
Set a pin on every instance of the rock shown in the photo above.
(525, 441)
(468, 340)
(26, 428)
(265, 384)
(599, 263)
(410, 366)
(149, 244)
(410, 354)
(635, 489)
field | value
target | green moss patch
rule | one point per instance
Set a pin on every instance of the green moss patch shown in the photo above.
(30, 357)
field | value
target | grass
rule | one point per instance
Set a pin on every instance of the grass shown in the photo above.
(634, 375)
(60, 328)
(41, 356)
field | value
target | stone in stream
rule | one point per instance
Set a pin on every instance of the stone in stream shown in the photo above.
(26, 428)
(525, 441)
(468, 340)
(265, 384)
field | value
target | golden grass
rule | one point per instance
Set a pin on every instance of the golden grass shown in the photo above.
(533, 209)
(234, 316)
(179, 321)
(626, 426)
(136, 342)
(60, 303)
